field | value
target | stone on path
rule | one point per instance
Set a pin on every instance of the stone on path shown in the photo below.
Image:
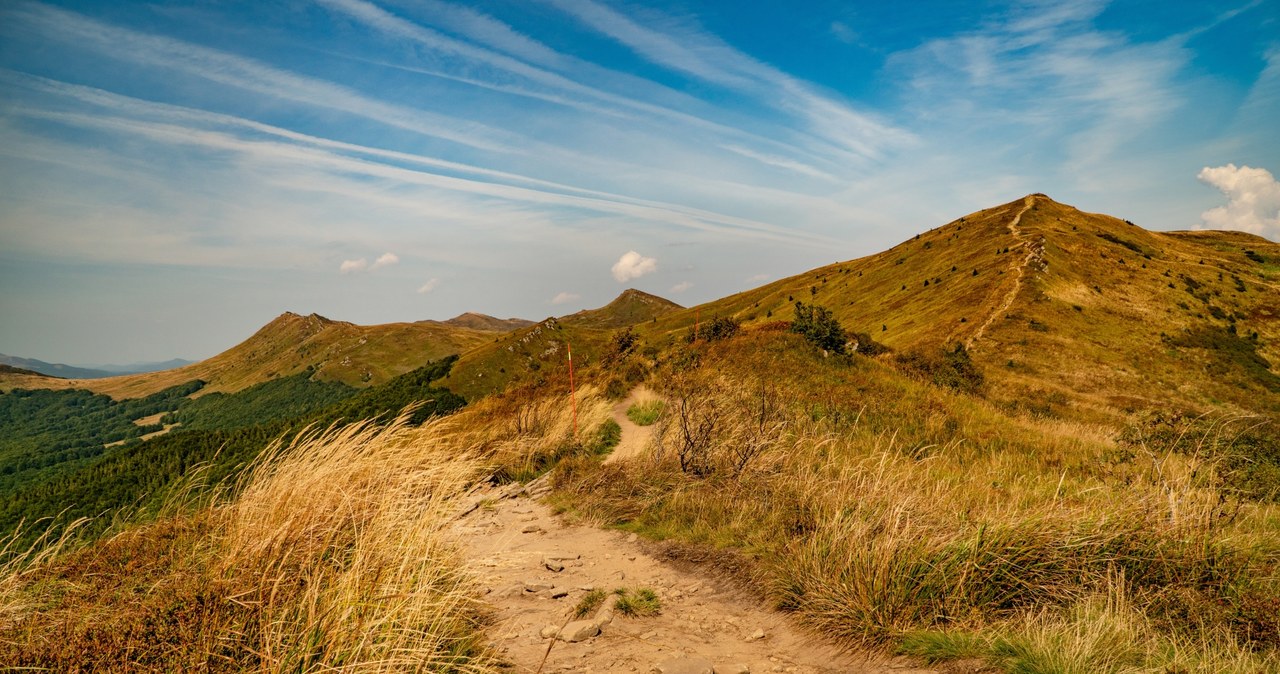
(580, 630)
(684, 666)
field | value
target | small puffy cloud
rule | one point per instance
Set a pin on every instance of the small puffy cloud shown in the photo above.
(758, 277)
(385, 260)
(429, 286)
(633, 265)
(1253, 200)
(563, 298)
(681, 287)
(351, 266)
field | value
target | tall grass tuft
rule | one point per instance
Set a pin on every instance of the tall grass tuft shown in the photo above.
(332, 555)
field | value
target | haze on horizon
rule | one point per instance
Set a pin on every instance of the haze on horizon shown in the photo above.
(175, 174)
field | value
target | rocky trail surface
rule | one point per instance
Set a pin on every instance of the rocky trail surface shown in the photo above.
(537, 567)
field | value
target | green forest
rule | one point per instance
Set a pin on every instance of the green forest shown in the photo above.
(55, 466)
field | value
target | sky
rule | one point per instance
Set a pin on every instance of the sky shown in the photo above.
(175, 174)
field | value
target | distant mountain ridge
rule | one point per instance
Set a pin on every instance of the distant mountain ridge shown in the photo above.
(88, 371)
(340, 351)
(53, 369)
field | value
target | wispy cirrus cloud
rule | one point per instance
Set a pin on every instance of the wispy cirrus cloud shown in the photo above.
(688, 49)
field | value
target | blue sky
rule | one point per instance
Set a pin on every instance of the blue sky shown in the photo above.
(175, 174)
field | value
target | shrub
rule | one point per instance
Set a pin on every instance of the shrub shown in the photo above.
(716, 329)
(819, 327)
(952, 369)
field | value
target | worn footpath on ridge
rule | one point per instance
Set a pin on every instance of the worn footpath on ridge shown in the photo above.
(536, 567)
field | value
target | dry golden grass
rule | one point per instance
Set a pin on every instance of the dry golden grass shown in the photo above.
(888, 508)
(332, 556)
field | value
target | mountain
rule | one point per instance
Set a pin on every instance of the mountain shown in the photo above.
(138, 368)
(53, 369)
(1061, 308)
(632, 307)
(19, 372)
(476, 321)
(88, 371)
(356, 355)
(524, 353)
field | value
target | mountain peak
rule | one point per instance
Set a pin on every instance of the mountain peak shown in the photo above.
(629, 308)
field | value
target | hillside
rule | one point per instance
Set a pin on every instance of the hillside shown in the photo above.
(10, 370)
(356, 355)
(536, 351)
(476, 321)
(1065, 311)
(632, 307)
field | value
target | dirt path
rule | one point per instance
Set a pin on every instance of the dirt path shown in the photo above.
(1020, 270)
(634, 437)
(536, 568)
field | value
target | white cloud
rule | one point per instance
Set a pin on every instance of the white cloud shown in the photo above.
(843, 32)
(758, 277)
(429, 286)
(633, 265)
(385, 260)
(350, 266)
(564, 298)
(1253, 200)
(681, 287)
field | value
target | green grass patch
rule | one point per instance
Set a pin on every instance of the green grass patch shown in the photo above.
(637, 602)
(589, 603)
(646, 412)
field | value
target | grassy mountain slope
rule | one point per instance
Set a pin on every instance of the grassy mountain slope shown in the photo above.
(538, 350)
(632, 307)
(476, 321)
(1075, 309)
(356, 355)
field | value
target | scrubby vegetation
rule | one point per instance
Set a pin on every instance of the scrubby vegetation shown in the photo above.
(134, 481)
(891, 511)
(271, 401)
(331, 556)
(44, 432)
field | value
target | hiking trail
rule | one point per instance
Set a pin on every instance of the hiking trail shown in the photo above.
(1034, 254)
(536, 567)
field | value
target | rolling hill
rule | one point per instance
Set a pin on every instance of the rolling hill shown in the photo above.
(524, 353)
(357, 355)
(1064, 310)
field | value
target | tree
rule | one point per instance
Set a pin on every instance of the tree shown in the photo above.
(821, 328)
